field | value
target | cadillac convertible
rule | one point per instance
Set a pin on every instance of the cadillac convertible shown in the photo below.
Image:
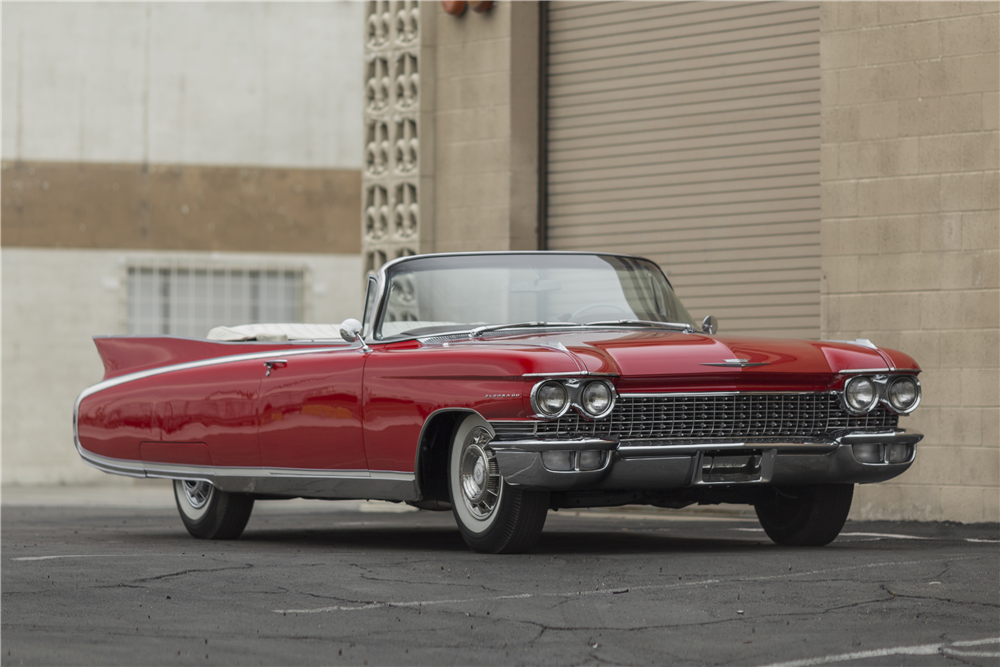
(501, 386)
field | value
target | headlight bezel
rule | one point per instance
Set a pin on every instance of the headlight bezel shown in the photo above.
(535, 401)
(846, 402)
(888, 394)
(574, 391)
(882, 384)
(581, 403)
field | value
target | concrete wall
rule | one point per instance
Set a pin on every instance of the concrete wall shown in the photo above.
(276, 84)
(486, 142)
(162, 130)
(179, 207)
(911, 256)
(54, 301)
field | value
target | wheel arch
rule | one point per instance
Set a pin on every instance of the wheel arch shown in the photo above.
(431, 463)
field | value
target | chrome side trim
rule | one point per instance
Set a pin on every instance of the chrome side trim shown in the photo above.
(375, 484)
(570, 374)
(214, 361)
(113, 466)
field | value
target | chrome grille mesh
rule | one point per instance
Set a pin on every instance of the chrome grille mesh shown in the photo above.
(710, 416)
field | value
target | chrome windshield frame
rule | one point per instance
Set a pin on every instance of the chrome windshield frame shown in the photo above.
(383, 279)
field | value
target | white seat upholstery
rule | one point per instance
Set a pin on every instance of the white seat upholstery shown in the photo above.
(277, 332)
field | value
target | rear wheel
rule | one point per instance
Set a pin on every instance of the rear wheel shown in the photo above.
(492, 516)
(211, 514)
(805, 516)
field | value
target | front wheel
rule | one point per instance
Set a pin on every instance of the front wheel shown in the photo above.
(210, 514)
(805, 516)
(492, 516)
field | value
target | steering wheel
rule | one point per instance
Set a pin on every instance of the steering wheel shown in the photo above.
(579, 311)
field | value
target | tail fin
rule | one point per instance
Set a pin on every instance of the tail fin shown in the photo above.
(131, 354)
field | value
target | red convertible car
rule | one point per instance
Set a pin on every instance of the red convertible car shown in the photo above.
(500, 386)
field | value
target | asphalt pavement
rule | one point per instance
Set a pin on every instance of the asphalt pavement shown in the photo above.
(97, 578)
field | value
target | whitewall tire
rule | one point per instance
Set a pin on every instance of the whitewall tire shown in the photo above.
(209, 513)
(492, 516)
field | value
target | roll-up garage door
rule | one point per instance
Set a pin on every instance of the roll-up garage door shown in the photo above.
(688, 132)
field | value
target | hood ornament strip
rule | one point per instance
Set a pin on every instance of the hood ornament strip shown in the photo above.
(742, 363)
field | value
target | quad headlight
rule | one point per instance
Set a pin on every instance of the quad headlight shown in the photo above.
(596, 399)
(903, 394)
(593, 399)
(550, 399)
(860, 395)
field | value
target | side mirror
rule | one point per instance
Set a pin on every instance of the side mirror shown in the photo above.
(350, 330)
(710, 325)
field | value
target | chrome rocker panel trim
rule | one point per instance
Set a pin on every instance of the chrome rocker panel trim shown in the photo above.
(291, 482)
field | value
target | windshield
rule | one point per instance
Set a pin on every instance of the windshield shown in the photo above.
(455, 293)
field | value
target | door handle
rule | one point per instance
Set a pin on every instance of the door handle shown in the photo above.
(274, 363)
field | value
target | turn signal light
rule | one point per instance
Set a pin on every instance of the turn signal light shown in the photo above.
(559, 460)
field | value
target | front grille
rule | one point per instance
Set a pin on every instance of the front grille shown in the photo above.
(738, 417)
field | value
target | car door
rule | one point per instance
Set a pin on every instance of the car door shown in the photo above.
(310, 411)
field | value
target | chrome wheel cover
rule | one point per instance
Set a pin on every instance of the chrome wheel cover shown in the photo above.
(479, 476)
(198, 494)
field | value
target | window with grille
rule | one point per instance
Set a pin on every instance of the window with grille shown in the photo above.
(188, 300)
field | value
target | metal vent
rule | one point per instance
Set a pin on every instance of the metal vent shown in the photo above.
(712, 416)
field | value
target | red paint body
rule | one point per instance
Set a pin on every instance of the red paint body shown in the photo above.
(338, 408)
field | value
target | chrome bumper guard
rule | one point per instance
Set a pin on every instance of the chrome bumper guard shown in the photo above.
(859, 458)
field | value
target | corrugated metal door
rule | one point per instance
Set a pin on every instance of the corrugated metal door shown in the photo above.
(688, 132)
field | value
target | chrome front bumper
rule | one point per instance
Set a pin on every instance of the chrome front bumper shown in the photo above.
(858, 458)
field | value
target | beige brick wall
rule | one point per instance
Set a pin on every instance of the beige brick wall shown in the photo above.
(486, 117)
(911, 255)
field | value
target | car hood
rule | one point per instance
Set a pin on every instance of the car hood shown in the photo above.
(659, 355)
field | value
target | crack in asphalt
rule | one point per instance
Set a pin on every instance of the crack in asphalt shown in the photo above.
(665, 626)
(181, 573)
(937, 599)
(608, 591)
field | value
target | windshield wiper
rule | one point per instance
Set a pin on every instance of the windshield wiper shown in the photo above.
(673, 326)
(479, 331)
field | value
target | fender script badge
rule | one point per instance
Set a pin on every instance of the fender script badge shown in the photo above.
(742, 363)
(503, 396)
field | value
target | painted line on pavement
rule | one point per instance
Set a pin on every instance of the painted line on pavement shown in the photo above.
(945, 649)
(889, 536)
(22, 558)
